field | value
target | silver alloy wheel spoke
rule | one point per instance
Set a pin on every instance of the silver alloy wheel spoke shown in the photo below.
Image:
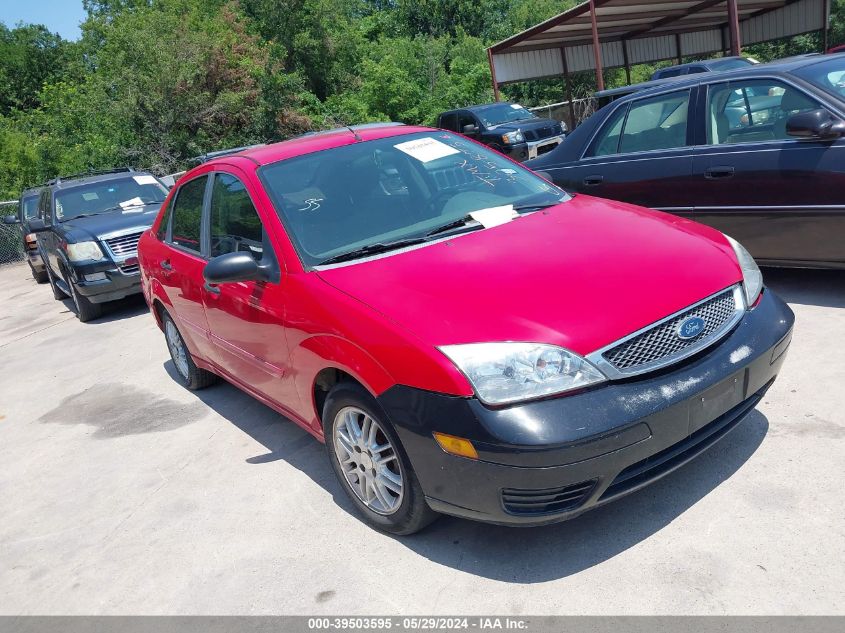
(368, 460)
(177, 349)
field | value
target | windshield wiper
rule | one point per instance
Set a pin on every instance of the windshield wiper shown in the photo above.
(536, 207)
(372, 249)
(456, 224)
(82, 215)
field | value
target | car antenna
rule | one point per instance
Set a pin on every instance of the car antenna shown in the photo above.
(354, 133)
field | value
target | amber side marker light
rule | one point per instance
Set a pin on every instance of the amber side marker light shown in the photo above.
(456, 445)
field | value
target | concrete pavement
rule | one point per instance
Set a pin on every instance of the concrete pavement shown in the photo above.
(123, 493)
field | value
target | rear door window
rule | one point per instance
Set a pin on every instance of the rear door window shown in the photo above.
(186, 220)
(650, 124)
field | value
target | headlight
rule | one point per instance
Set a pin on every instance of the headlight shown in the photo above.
(83, 250)
(512, 137)
(508, 372)
(752, 278)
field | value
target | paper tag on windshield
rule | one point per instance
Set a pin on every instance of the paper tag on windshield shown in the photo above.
(494, 216)
(88, 196)
(426, 149)
(134, 202)
(145, 180)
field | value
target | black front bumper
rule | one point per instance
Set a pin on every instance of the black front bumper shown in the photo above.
(550, 460)
(119, 282)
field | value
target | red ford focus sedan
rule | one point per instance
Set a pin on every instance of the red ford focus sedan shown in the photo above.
(464, 336)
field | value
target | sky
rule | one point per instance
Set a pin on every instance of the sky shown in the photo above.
(62, 16)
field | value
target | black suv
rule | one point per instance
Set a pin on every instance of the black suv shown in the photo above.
(506, 127)
(88, 228)
(27, 209)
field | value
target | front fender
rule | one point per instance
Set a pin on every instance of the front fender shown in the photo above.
(327, 351)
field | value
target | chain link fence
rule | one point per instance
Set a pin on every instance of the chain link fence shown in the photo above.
(11, 244)
(569, 112)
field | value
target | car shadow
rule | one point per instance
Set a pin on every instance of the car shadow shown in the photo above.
(119, 310)
(522, 555)
(824, 288)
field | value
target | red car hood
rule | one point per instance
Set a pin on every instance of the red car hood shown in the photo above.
(583, 275)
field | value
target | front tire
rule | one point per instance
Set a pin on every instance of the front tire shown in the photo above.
(370, 463)
(192, 377)
(85, 309)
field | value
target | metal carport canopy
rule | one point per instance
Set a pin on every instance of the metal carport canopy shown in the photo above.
(640, 31)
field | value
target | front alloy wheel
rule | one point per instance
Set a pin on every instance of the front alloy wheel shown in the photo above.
(370, 463)
(368, 460)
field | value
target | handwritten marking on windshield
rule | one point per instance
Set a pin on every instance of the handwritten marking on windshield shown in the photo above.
(312, 204)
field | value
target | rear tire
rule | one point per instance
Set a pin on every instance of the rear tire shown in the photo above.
(58, 294)
(370, 463)
(39, 277)
(191, 376)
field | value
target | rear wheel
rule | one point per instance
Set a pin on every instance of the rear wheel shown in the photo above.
(371, 464)
(191, 376)
(58, 294)
(39, 277)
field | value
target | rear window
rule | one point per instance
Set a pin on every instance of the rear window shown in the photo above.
(828, 75)
(30, 207)
(187, 214)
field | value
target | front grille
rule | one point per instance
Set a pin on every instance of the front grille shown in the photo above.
(546, 500)
(545, 148)
(662, 343)
(124, 246)
(132, 269)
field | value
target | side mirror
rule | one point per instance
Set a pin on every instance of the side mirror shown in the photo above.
(231, 267)
(36, 225)
(470, 129)
(545, 176)
(815, 124)
(10, 219)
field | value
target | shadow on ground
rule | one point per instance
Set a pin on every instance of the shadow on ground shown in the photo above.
(524, 555)
(824, 288)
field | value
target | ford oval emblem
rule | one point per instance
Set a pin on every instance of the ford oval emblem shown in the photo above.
(690, 327)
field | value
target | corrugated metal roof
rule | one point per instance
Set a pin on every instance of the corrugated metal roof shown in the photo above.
(650, 30)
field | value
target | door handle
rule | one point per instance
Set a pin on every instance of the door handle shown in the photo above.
(725, 171)
(215, 290)
(166, 265)
(591, 181)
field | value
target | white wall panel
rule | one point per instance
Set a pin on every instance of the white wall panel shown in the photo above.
(801, 16)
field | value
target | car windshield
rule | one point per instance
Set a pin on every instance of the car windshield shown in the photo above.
(30, 206)
(828, 75)
(410, 187)
(503, 113)
(113, 194)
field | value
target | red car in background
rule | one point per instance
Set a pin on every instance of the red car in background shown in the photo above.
(464, 336)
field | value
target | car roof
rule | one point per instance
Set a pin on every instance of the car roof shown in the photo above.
(32, 191)
(703, 62)
(77, 180)
(781, 66)
(318, 141)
